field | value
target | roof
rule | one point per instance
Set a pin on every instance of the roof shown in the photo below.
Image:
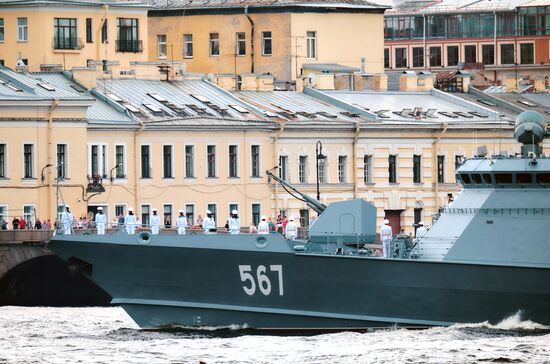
(329, 68)
(436, 107)
(211, 4)
(454, 6)
(113, 3)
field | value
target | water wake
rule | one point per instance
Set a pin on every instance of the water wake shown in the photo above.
(514, 322)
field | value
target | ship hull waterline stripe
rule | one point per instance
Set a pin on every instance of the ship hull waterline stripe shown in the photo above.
(276, 311)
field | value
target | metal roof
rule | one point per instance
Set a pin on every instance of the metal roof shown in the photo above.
(454, 6)
(113, 3)
(205, 4)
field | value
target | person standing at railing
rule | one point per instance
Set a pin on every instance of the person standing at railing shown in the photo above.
(181, 223)
(234, 223)
(154, 222)
(386, 236)
(263, 226)
(209, 224)
(100, 221)
(67, 220)
(291, 229)
(130, 221)
(421, 230)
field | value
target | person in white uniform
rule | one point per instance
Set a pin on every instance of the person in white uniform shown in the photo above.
(154, 222)
(291, 229)
(234, 223)
(421, 230)
(209, 224)
(263, 226)
(130, 221)
(100, 221)
(386, 236)
(181, 223)
(67, 220)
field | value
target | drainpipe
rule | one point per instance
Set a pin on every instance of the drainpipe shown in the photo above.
(54, 104)
(276, 162)
(434, 167)
(354, 156)
(251, 39)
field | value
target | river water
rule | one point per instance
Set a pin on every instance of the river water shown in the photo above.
(108, 335)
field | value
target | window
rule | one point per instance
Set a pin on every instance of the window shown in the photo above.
(459, 161)
(89, 32)
(454, 26)
(120, 210)
(417, 169)
(188, 46)
(302, 169)
(211, 160)
(189, 161)
(367, 169)
(304, 218)
(452, 56)
(145, 161)
(119, 160)
(403, 27)
(3, 213)
(65, 33)
(311, 44)
(266, 44)
(22, 30)
(1, 29)
(240, 44)
(527, 53)
(256, 211)
(161, 46)
(3, 161)
(167, 161)
(233, 161)
(233, 206)
(167, 210)
(441, 168)
(488, 54)
(392, 168)
(29, 214)
(283, 167)
(28, 159)
(145, 214)
(400, 57)
(212, 207)
(104, 32)
(470, 53)
(128, 35)
(255, 160)
(506, 24)
(418, 57)
(342, 166)
(507, 54)
(190, 213)
(61, 161)
(214, 44)
(436, 26)
(321, 164)
(386, 58)
(435, 56)
(97, 160)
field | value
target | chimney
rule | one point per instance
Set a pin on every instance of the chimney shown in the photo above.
(86, 76)
(408, 81)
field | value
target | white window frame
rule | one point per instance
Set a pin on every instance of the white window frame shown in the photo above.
(367, 173)
(102, 165)
(303, 174)
(33, 160)
(172, 214)
(150, 166)
(31, 219)
(215, 161)
(252, 212)
(187, 42)
(342, 169)
(6, 160)
(150, 213)
(237, 44)
(259, 161)
(211, 42)
(216, 213)
(171, 161)
(65, 164)
(264, 38)
(124, 159)
(192, 221)
(125, 209)
(237, 164)
(22, 30)
(6, 214)
(283, 168)
(193, 161)
(2, 30)
(311, 44)
(162, 43)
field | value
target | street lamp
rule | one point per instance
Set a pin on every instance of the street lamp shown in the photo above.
(318, 157)
(42, 176)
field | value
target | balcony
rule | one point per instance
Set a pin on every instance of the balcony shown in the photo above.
(68, 44)
(95, 184)
(130, 46)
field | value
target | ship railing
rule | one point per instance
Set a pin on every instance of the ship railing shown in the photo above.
(497, 211)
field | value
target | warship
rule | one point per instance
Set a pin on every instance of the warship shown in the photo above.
(486, 257)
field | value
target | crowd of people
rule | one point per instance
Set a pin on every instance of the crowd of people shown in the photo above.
(19, 223)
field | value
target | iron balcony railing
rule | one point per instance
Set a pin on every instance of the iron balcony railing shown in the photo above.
(73, 43)
(132, 46)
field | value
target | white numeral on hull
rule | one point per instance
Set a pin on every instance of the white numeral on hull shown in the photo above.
(262, 280)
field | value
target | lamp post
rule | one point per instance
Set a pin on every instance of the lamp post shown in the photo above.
(42, 176)
(318, 156)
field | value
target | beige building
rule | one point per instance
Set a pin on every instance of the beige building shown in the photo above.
(275, 37)
(60, 35)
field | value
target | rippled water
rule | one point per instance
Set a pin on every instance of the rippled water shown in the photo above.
(108, 335)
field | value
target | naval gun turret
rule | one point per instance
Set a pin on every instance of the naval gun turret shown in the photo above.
(341, 222)
(530, 129)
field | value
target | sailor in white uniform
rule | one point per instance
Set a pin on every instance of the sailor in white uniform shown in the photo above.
(291, 229)
(100, 221)
(154, 222)
(386, 237)
(181, 223)
(130, 221)
(209, 224)
(421, 230)
(67, 220)
(263, 226)
(234, 223)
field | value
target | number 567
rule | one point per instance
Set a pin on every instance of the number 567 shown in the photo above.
(261, 280)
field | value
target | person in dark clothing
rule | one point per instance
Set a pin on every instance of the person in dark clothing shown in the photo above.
(15, 223)
(4, 225)
(38, 224)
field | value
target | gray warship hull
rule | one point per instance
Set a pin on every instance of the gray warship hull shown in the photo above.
(262, 282)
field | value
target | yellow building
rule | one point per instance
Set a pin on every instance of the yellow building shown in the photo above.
(189, 144)
(45, 35)
(276, 37)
